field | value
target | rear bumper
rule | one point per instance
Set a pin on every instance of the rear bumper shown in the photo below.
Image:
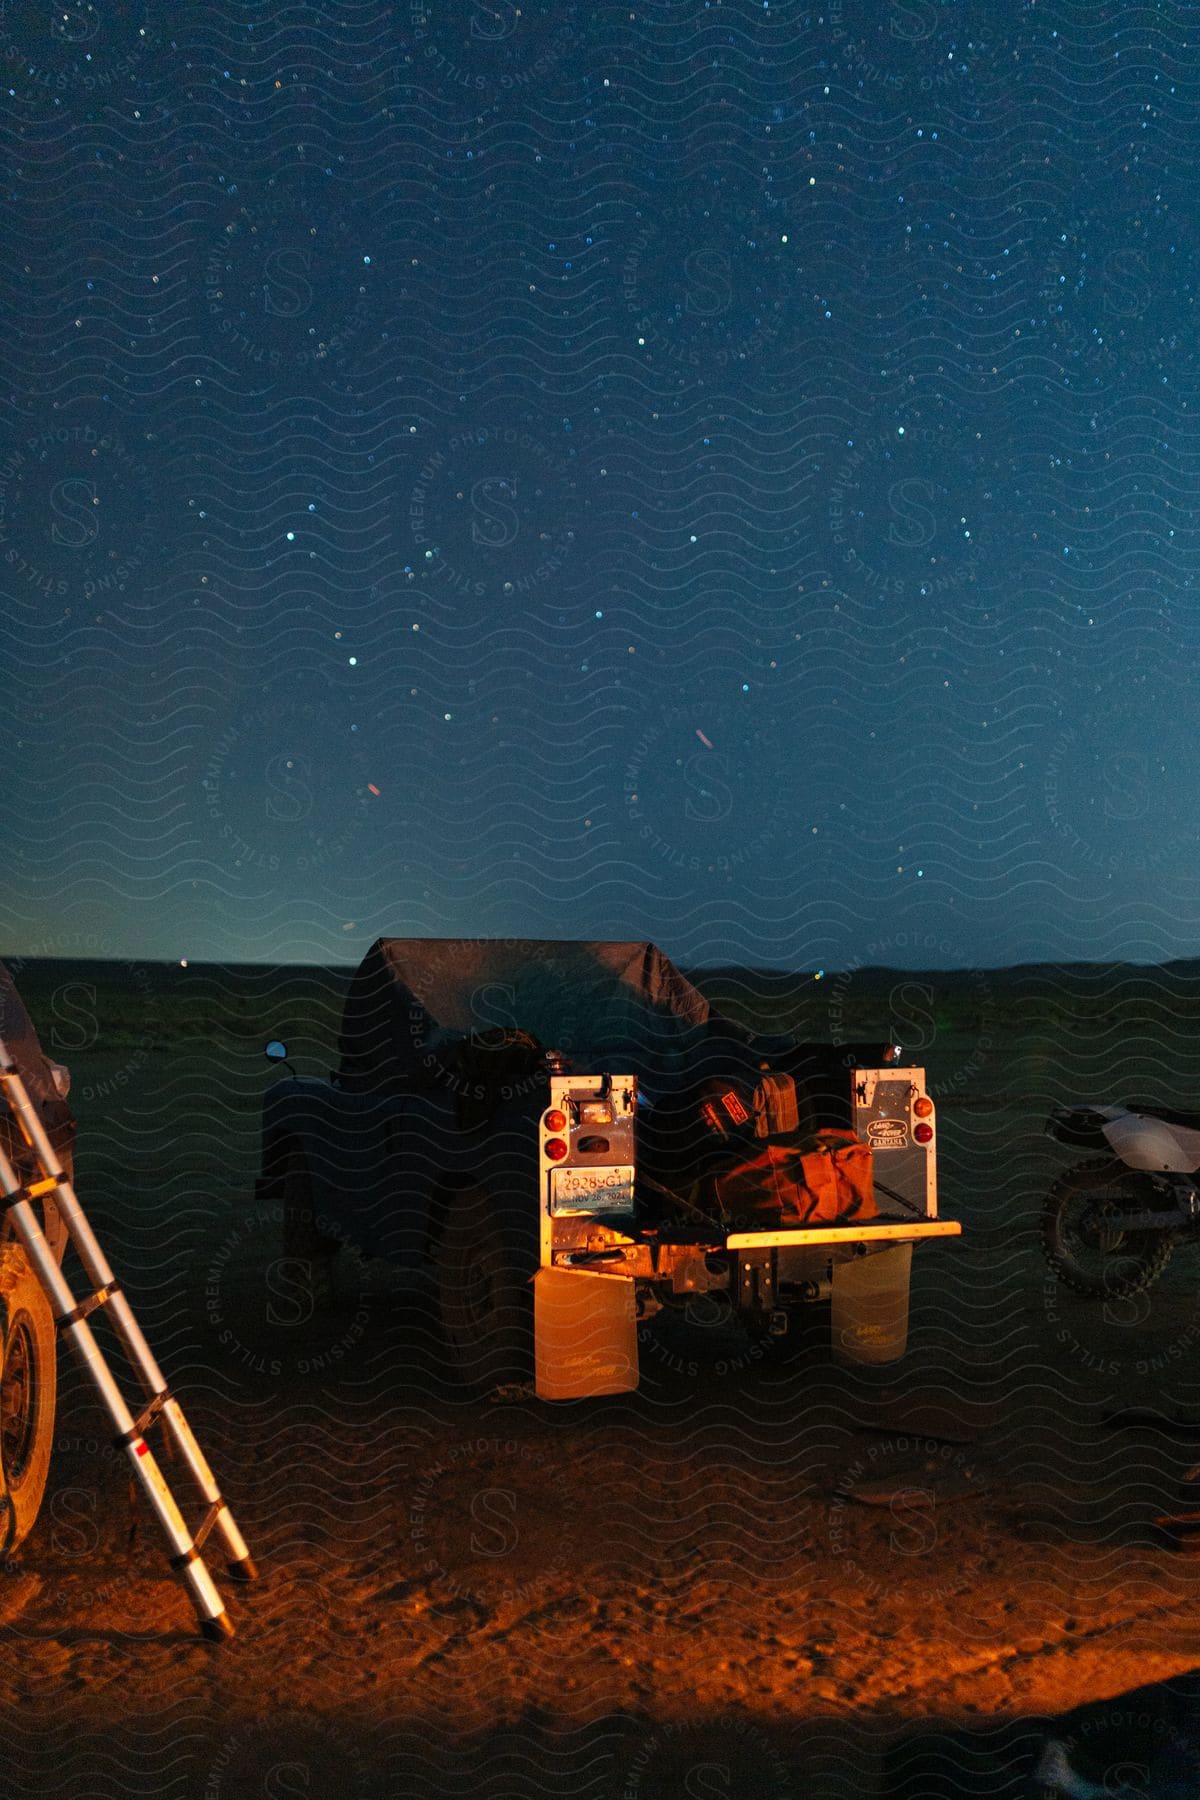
(900, 1232)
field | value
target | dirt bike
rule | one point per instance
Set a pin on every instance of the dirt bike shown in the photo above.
(1109, 1225)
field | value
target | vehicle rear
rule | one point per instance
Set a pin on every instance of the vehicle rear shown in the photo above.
(568, 1138)
(617, 1246)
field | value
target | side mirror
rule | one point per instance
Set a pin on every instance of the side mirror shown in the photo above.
(276, 1051)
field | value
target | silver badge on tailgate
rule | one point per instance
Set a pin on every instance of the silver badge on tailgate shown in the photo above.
(888, 1134)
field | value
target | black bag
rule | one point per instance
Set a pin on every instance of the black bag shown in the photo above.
(738, 1109)
(727, 1108)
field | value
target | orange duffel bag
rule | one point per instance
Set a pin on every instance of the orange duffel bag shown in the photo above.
(824, 1180)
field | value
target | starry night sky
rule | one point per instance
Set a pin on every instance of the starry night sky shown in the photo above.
(717, 472)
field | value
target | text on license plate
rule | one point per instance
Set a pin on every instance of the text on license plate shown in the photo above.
(592, 1190)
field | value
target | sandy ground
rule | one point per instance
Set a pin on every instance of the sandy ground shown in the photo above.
(672, 1593)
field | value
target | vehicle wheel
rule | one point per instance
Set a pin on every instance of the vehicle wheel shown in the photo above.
(485, 1293)
(1103, 1264)
(302, 1241)
(28, 1372)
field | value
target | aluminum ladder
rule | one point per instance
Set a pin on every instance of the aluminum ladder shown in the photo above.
(71, 1319)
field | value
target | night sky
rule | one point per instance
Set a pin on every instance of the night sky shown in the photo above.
(722, 472)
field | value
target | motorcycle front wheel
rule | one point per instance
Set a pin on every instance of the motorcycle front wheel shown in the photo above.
(1087, 1256)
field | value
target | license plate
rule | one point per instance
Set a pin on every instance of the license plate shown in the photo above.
(592, 1190)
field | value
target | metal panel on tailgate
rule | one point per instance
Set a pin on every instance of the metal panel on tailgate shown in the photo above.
(892, 1112)
(587, 1153)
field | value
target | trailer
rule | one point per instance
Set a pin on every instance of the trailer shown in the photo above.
(530, 1121)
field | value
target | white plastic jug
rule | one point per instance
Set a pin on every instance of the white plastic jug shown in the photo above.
(585, 1334)
(869, 1307)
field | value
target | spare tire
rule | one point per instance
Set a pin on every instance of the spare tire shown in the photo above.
(28, 1383)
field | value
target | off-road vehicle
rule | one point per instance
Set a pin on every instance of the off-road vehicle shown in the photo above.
(551, 1126)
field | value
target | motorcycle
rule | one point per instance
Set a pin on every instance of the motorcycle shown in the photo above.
(1109, 1225)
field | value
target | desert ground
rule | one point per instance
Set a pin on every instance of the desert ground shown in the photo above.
(665, 1594)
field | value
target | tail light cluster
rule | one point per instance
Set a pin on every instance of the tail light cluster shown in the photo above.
(555, 1121)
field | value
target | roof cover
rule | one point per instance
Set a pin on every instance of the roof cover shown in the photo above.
(620, 1006)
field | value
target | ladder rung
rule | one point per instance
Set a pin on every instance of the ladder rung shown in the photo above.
(31, 1190)
(206, 1525)
(99, 1298)
(144, 1419)
(36, 1189)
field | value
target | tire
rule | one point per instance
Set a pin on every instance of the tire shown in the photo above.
(1102, 1265)
(484, 1293)
(28, 1385)
(302, 1242)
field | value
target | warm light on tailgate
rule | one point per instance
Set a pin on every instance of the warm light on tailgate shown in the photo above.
(587, 1151)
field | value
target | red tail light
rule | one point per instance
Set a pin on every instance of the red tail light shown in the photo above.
(923, 1133)
(556, 1149)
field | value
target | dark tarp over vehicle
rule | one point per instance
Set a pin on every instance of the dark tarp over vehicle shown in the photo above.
(623, 1006)
(616, 1005)
(432, 1091)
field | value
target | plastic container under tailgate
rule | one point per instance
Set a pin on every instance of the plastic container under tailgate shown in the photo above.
(585, 1334)
(869, 1306)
